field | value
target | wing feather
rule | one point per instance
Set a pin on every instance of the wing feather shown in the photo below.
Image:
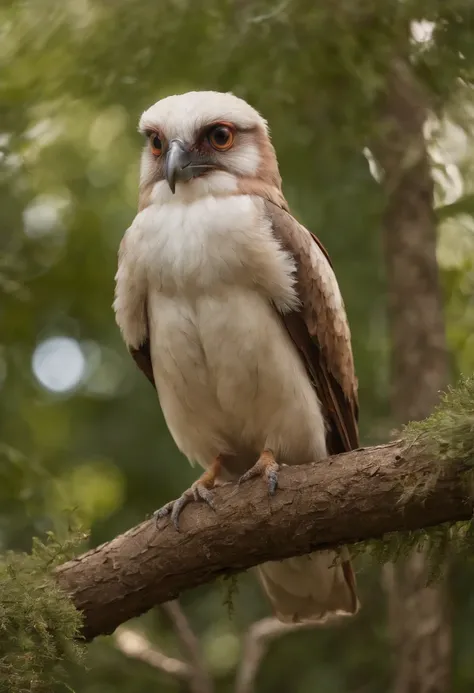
(130, 306)
(142, 358)
(320, 329)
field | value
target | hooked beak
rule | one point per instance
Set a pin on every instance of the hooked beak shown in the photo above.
(182, 164)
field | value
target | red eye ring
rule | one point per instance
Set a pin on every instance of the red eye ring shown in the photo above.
(156, 144)
(221, 137)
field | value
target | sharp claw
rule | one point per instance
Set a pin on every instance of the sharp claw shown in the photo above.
(272, 481)
(197, 492)
(205, 495)
(162, 512)
(178, 505)
(265, 467)
(253, 471)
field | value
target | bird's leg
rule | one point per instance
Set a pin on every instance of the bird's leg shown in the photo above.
(267, 467)
(200, 490)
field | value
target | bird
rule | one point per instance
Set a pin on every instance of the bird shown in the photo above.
(232, 310)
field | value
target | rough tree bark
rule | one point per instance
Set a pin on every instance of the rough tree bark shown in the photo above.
(351, 497)
(420, 623)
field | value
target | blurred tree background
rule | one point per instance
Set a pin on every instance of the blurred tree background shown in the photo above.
(81, 433)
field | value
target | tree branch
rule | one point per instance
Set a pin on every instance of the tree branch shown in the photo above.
(255, 646)
(136, 646)
(351, 497)
(190, 669)
(200, 681)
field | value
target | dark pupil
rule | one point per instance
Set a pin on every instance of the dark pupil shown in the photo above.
(156, 142)
(221, 135)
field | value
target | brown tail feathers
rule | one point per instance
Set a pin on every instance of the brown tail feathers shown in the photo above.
(311, 588)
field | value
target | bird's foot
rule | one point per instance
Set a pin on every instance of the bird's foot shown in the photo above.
(199, 491)
(267, 467)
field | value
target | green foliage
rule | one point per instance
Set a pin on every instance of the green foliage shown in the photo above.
(435, 542)
(38, 623)
(445, 437)
(230, 584)
(448, 434)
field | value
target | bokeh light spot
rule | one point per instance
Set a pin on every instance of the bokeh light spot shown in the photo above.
(59, 364)
(43, 216)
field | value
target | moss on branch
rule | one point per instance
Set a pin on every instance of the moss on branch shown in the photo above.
(448, 434)
(441, 444)
(39, 624)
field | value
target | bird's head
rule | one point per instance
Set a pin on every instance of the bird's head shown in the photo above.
(202, 143)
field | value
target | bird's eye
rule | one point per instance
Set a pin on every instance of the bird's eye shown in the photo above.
(155, 144)
(221, 137)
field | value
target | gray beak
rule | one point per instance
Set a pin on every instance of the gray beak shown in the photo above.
(183, 164)
(178, 164)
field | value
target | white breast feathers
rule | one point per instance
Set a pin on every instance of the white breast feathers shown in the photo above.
(228, 376)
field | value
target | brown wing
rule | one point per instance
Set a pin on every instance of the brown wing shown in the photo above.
(320, 330)
(143, 360)
(142, 355)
